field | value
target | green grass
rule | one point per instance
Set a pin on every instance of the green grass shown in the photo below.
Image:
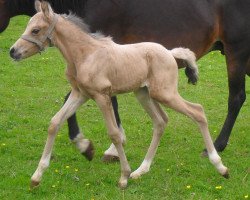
(32, 91)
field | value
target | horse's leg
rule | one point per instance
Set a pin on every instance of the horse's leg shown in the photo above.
(74, 101)
(159, 119)
(111, 153)
(103, 101)
(237, 96)
(195, 112)
(84, 145)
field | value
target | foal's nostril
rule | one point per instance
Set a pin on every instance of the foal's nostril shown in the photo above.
(12, 52)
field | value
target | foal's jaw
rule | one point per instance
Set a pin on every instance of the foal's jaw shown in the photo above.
(18, 52)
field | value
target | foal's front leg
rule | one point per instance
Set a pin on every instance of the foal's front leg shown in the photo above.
(103, 101)
(111, 154)
(74, 101)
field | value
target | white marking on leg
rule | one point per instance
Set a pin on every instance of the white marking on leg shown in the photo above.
(216, 161)
(81, 143)
(143, 169)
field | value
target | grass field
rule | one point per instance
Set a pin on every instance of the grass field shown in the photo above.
(32, 91)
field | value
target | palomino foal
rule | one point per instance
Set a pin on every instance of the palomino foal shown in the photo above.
(98, 68)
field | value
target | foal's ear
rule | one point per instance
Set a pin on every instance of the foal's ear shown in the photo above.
(38, 6)
(47, 10)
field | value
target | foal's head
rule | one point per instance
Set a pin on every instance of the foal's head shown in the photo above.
(38, 33)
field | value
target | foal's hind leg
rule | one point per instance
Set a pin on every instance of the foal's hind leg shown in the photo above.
(84, 145)
(160, 120)
(74, 101)
(195, 112)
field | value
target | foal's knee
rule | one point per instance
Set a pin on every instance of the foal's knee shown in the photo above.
(115, 136)
(54, 126)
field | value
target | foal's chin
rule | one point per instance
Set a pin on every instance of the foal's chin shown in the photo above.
(23, 56)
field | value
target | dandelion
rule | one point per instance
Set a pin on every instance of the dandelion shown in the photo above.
(67, 167)
(188, 186)
(76, 170)
(219, 187)
(246, 196)
(56, 170)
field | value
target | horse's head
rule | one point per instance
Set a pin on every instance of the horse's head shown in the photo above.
(4, 15)
(38, 33)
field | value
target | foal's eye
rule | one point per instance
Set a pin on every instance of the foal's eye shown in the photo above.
(35, 31)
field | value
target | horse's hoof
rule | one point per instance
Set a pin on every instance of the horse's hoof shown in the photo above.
(110, 158)
(90, 152)
(226, 174)
(34, 184)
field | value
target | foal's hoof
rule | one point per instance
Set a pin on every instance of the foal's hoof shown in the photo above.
(226, 174)
(110, 158)
(123, 184)
(90, 152)
(34, 184)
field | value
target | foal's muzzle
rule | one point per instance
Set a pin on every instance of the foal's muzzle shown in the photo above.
(14, 54)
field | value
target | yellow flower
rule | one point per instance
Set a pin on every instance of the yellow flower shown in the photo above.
(76, 170)
(246, 196)
(219, 187)
(67, 167)
(188, 186)
(56, 170)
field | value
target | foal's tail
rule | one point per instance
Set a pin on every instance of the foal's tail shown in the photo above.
(188, 60)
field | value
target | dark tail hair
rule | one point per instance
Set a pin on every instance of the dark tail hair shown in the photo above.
(189, 62)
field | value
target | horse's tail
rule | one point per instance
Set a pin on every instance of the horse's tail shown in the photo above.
(189, 61)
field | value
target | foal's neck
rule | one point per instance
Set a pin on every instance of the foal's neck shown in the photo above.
(73, 43)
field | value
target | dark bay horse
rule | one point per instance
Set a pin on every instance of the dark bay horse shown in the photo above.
(201, 26)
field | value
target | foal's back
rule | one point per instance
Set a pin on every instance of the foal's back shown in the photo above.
(129, 67)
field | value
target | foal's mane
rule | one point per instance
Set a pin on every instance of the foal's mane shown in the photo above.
(79, 22)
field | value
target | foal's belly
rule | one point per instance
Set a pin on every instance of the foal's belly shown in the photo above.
(128, 76)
